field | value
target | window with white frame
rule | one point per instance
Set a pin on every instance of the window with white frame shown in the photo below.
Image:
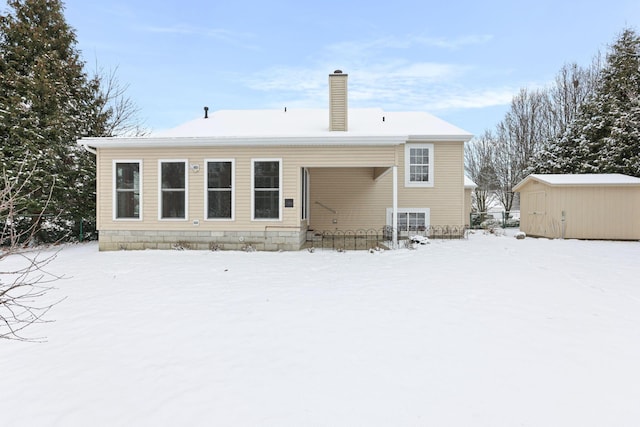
(266, 183)
(410, 219)
(126, 174)
(220, 183)
(418, 165)
(173, 190)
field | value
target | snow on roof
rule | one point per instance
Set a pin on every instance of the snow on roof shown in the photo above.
(315, 122)
(468, 182)
(581, 179)
(366, 126)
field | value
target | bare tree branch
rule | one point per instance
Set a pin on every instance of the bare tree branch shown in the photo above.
(23, 288)
(121, 115)
(479, 166)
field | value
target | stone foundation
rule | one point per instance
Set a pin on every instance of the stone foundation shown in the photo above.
(271, 240)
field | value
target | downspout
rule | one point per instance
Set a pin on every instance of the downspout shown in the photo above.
(93, 151)
(395, 206)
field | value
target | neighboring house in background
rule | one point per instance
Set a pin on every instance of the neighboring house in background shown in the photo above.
(266, 177)
(581, 206)
(469, 187)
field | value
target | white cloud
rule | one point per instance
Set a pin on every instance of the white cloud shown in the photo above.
(393, 86)
(191, 30)
(473, 99)
(378, 78)
(454, 43)
(358, 48)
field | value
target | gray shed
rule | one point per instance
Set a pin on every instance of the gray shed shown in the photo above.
(580, 206)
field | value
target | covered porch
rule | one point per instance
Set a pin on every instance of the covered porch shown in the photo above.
(358, 202)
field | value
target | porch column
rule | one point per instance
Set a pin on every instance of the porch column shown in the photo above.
(394, 205)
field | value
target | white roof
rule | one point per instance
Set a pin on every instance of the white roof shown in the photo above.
(296, 126)
(315, 122)
(581, 179)
(468, 182)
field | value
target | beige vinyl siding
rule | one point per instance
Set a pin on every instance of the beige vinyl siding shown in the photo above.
(361, 201)
(338, 107)
(591, 212)
(446, 197)
(293, 158)
(532, 219)
(348, 179)
(358, 200)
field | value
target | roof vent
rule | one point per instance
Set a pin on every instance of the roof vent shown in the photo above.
(206, 112)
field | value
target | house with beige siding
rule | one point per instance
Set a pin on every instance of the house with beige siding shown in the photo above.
(269, 178)
(580, 206)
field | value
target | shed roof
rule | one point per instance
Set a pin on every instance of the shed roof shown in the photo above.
(296, 126)
(589, 179)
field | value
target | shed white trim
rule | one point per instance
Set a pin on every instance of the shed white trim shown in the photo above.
(604, 179)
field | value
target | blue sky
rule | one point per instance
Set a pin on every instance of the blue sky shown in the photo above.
(460, 60)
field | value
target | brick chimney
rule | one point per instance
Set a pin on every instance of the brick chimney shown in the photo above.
(338, 106)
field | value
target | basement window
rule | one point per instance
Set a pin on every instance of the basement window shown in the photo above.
(410, 219)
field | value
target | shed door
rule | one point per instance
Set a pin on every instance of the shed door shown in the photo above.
(537, 213)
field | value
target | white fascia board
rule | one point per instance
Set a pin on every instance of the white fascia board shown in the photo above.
(439, 138)
(238, 141)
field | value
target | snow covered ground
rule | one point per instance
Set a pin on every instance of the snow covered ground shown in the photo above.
(491, 331)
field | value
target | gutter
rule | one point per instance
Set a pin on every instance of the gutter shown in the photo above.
(85, 145)
(244, 141)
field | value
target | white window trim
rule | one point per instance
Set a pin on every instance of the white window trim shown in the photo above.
(186, 190)
(306, 201)
(115, 190)
(253, 193)
(407, 169)
(426, 211)
(206, 190)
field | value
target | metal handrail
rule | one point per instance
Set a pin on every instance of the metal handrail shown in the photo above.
(333, 211)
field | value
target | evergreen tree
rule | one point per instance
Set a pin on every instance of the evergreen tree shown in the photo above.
(620, 100)
(605, 135)
(46, 104)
